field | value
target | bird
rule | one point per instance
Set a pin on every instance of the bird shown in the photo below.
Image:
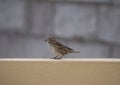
(58, 48)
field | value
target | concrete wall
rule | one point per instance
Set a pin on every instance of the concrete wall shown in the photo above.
(90, 26)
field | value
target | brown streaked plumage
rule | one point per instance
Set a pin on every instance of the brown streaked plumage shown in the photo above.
(58, 48)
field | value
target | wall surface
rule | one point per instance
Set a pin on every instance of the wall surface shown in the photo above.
(59, 72)
(89, 26)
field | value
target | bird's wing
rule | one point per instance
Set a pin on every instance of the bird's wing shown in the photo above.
(68, 47)
(61, 46)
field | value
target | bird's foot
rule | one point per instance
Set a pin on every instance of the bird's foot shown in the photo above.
(56, 57)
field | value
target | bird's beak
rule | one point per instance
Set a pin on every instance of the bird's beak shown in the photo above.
(45, 40)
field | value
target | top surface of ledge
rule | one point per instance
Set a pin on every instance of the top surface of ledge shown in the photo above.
(64, 59)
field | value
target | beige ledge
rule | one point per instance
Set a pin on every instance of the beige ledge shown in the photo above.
(29, 71)
(63, 59)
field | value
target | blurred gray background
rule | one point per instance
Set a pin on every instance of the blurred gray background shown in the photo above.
(89, 26)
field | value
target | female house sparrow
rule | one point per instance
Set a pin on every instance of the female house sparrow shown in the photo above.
(58, 48)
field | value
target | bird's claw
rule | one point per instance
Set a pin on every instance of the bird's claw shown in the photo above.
(56, 57)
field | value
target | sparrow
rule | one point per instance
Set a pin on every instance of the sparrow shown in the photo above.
(59, 49)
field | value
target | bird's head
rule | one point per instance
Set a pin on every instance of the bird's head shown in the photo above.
(51, 40)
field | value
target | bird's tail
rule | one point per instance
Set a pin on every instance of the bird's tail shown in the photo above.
(76, 52)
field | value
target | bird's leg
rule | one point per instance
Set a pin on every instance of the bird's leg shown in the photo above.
(59, 57)
(55, 57)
